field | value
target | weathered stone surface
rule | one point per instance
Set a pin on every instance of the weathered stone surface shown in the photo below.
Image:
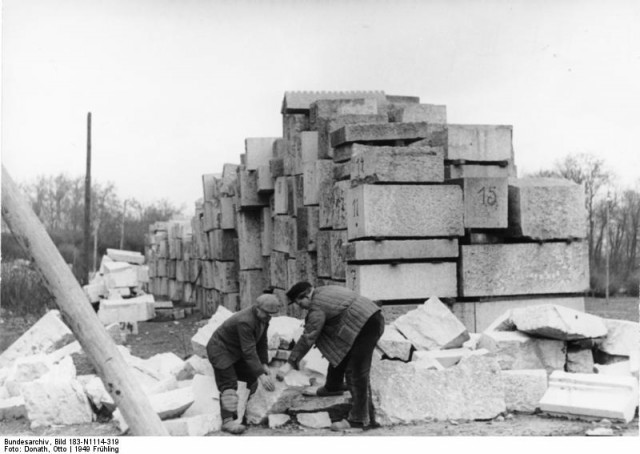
(201, 338)
(137, 309)
(120, 274)
(119, 255)
(370, 165)
(263, 402)
(300, 101)
(404, 211)
(454, 171)
(206, 397)
(284, 233)
(284, 331)
(431, 113)
(509, 269)
(278, 269)
(315, 176)
(278, 420)
(363, 251)
(258, 151)
(447, 358)
(314, 420)
(56, 402)
(432, 326)
(169, 363)
(579, 360)
(249, 247)
(338, 240)
(296, 379)
(96, 392)
(546, 208)
(172, 404)
(46, 335)
(336, 406)
(517, 351)
(382, 132)
(485, 202)
(394, 345)
(12, 408)
(332, 108)
(308, 147)
(328, 125)
(200, 365)
(194, 426)
(557, 322)
(314, 363)
(618, 368)
(591, 395)
(402, 280)
(421, 362)
(24, 370)
(479, 142)
(339, 212)
(403, 393)
(523, 389)
(623, 337)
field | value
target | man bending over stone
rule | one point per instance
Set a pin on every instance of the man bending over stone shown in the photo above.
(345, 327)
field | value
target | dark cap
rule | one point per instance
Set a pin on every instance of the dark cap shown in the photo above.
(296, 290)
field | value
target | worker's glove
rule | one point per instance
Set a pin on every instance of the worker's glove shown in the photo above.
(267, 382)
(284, 370)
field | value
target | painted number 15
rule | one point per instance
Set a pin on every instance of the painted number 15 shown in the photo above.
(489, 196)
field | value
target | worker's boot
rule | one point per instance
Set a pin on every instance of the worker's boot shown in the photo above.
(233, 427)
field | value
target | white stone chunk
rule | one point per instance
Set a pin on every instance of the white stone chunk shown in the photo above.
(516, 351)
(138, 309)
(4, 394)
(94, 291)
(12, 408)
(168, 364)
(64, 369)
(296, 379)
(591, 395)
(523, 389)
(25, 370)
(283, 331)
(447, 358)
(194, 426)
(120, 274)
(96, 392)
(68, 350)
(432, 326)
(46, 335)
(317, 420)
(421, 362)
(404, 394)
(558, 322)
(623, 337)
(201, 338)
(394, 345)
(118, 293)
(200, 365)
(56, 402)
(162, 386)
(278, 420)
(314, 363)
(119, 255)
(263, 402)
(619, 368)
(172, 404)
(206, 396)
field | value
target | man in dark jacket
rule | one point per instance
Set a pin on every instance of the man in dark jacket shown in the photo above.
(345, 327)
(238, 352)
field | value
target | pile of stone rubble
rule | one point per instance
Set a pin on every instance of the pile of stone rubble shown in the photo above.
(427, 367)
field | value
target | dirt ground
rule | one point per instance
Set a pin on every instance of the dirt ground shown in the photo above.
(175, 336)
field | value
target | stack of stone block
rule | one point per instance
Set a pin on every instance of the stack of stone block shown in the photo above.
(380, 194)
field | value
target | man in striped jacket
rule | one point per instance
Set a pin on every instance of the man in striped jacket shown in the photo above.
(345, 327)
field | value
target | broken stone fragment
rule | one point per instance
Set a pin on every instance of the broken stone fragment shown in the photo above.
(619, 368)
(206, 396)
(314, 364)
(96, 392)
(296, 379)
(318, 420)
(201, 338)
(523, 389)
(447, 358)
(557, 322)
(284, 332)
(130, 310)
(56, 402)
(68, 350)
(623, 337)
(12, 408)
(169, 364)
(25, 370)
(278, 420)
(200, 365)
(194, 426)
(263, 402)
(579, 360)
(432, 326)
(394, 345)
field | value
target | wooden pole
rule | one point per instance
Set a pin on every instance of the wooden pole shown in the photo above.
(86, 246)
(74, 305)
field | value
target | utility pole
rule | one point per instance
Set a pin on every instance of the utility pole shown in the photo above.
(606, 251)
(124, 210)
(87, 209)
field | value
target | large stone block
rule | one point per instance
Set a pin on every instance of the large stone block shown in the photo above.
(138, 309)
(194, 426)
(24, 370)
(300, 101)
(404, 394)
(119, 255)
(546, 208)
(307, 220)
(323, 247)
(339, 199)
(279, 269)
(394, 345)
(449, 357)
(383, 132)
(517, 351)
(430, 113)
(206, 397)
(404, 211)
(524, 269)
(579, 360)
(249, 247)
(371, 165)
(364, 251)
(12, 408)
(258, 151)
(284, 332)
(201, 338)
(523, 389)
(403, 280)
(252, 284)
(56, 402)
(338, 240)
(432, 326)
(332, 108)
(557, 322)
(316, 178)
(623, 337)
(591, 396)
(457, 171)
(317, 420)
(327, 125)
(263, 403)
(479, 142)
(485, 202)
(248, 190)
(284, 234)
(120, 274)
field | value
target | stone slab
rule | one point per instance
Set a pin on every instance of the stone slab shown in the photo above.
(517, 351)
(579, 360)
(316, 177)
(404, 394)
(249, 247)
(404, 211)
(248, 196)
(507, 269)
(338, 240)
(339, 199)
(119, 255)
(323, 248)
(485, 202)
(263, 402)
(383, 132)
(12, 408)
(402, 280)
(56, 402)
(458, 171)
(206, 396)
(284, 331)
(557, 322)
(284, 233)
(326, 126)
(24, 370)
(523, 389)
(278, 420)
(138, 309)
(194, 426)
(479, 142)
(432, 326)
(368, 250)
(394, 345)
(370, 165)
(546, 208)
(332, 108)
(430, 113)
(447, 358)
(201, 338)
(591, 396)
(623, 337)
(258, 151)
(300, 101)
(317, 420)
(172, 404)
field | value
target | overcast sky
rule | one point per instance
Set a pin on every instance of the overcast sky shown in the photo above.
(175, 87)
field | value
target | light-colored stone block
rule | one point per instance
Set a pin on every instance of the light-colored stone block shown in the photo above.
(172, 404)
(404, 394)
(120, 274)
(421, 362)
(263, 402)
(557, 322)
(119, 255)
(300, 101)
(318, 420)
(517, 351)
(12, 408)
(619, 368)
(137, 309)
(278, 420)
(579, 360)
(430, 113)
(623, 337)
(258, 151)
(169, 364)
(249, 247)
(523, 389)
(363, 251)
(591, 396)
(56, 402)
(96, 392)
(447, 358)
(403, 280)
(432, 326)
(479, 142)
(456, 171)
(394, 345)
(24, 370)
(200, 365)
(49, 333)
(546, 208)
(383, 132)
(370, 165)
(194, 426)
(315, 177)
(206, 396)
(404, 211)
(284, 331)
(201, 338)
(524, 269)
(485, 202)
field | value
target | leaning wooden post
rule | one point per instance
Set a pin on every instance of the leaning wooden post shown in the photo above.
(78, 313)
